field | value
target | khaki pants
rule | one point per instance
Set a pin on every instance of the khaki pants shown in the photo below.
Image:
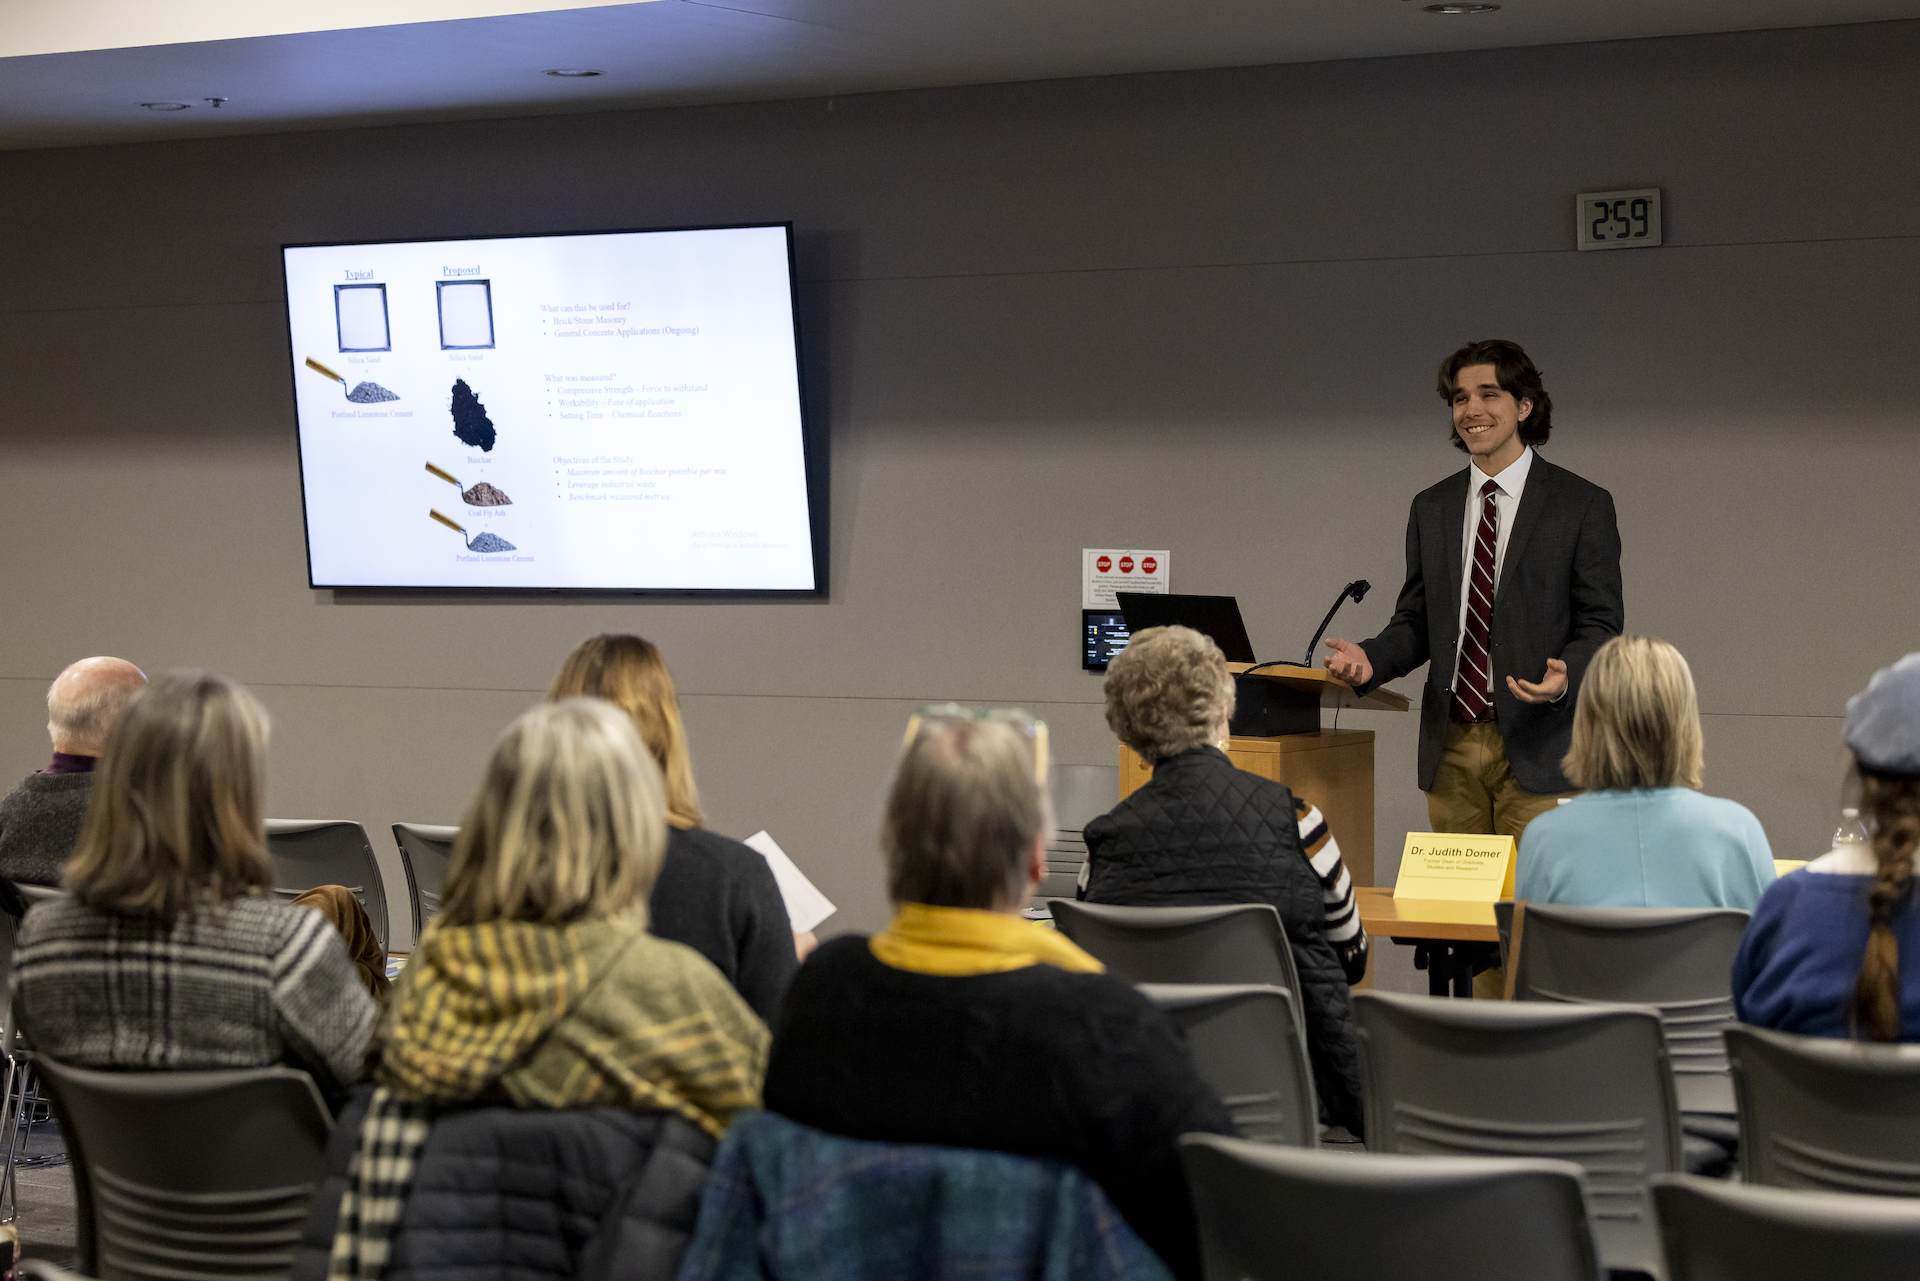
(1474, 791)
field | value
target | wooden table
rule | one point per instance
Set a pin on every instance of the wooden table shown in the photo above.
(1437, 928)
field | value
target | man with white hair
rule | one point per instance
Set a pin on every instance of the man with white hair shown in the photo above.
(40, 819)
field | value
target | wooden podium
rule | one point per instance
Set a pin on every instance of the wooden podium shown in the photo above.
(1330, 769)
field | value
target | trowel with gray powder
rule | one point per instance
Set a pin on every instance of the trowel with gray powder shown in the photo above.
(364, 394)
(484, 542)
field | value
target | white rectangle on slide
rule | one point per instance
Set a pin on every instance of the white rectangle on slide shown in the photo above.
(466, 314)
(806, 905)
(361, 315)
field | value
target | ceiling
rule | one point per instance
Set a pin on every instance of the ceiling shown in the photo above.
(668, 52)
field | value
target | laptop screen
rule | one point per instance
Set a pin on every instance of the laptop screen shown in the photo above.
(1214, 616)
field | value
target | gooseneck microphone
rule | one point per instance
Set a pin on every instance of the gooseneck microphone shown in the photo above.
(1356, 591)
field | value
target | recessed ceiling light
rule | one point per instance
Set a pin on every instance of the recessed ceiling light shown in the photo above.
(1461, 8)
(166, 106)
(573, 73)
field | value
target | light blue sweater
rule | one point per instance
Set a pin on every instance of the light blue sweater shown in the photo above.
(1661, 847)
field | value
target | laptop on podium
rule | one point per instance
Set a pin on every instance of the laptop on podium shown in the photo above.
(1262, 708)
(1217, 617)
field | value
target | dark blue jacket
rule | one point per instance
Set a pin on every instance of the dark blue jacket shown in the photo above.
(1801, 954)
(508, 1194)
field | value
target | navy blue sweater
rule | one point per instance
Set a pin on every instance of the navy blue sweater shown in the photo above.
(1800, 957)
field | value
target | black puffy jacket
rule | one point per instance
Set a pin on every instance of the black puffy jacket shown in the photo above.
(506, 1194)
(1203, 832)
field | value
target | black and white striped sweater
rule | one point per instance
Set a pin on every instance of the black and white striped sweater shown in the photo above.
(258, 983)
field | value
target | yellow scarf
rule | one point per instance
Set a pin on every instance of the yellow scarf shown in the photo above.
(957, 941)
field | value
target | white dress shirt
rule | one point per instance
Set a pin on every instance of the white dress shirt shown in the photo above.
(1509, 485)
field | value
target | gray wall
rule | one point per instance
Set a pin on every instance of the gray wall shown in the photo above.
(1197, 311)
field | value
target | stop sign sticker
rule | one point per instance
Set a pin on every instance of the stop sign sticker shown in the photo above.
(1148, 565)
(1126, 564)
(1104, 564)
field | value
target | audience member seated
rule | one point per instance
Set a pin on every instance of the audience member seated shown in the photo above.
(40, 819)
(964, 1026)
(714, 894)
(538, 985)
(171, 953)
(1834, 949)
(1204, 832)
(341, 909)
(1641, 834)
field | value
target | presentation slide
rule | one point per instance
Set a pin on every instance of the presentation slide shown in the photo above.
(610, 411)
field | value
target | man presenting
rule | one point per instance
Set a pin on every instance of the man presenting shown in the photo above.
(40, 819)
(1513, 581)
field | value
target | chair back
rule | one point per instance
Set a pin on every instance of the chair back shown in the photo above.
(1679, 961)
(425, 851)
(1245, 1044)
(189, 1176)
(1235, 943)
(1719, 1231)
(1081, 793)
(1273, 1214)
(1816, 1112)
(1588, 1084)
(310, 852)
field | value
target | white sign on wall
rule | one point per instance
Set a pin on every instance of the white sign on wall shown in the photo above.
(1106, 570)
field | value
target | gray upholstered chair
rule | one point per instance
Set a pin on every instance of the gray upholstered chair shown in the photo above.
(189, 1176)
(1843, 1116)
(1234, 943)
(1246, 1043)
(1271, 1213)
(1583, 1083)
(1717, 1231)
(310, 852)
(1680, 961)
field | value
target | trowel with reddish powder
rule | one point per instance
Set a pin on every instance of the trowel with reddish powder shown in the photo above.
(481, 495)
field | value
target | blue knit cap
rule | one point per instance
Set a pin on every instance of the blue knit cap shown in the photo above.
(1883, 720)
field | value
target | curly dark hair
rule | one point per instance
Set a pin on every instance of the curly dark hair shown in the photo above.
(1517, 377)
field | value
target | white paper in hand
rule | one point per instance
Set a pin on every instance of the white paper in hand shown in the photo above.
(806, 905)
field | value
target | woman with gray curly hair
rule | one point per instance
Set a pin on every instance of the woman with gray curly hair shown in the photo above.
(1203, 832)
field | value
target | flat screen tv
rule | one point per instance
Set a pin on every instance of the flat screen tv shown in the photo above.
(601, 411)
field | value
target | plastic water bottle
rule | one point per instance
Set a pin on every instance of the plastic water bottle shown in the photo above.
(1852, 832)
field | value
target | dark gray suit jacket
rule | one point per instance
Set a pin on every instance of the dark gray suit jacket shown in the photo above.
(1558, 597)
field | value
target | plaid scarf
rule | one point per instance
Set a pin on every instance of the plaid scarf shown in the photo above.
(521, 1012)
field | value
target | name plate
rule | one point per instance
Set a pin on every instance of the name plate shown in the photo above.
(1455, 865)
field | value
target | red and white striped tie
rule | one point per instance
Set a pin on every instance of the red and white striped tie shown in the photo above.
(1475, 676)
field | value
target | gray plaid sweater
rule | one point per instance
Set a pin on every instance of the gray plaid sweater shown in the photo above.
(260, 983)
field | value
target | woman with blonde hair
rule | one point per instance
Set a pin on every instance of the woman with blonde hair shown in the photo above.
(538, 985)
(1834, 948)
(714, 894)
(1641, 834)
(171, 951)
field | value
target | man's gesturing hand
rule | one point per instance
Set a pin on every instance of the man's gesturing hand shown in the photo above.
(1350, 663)
(1550, 688)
